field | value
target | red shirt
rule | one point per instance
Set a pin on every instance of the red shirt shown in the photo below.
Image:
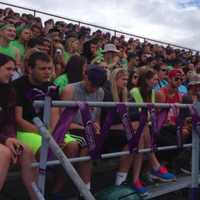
(175, 98)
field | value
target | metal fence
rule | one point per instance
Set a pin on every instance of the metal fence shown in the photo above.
(48, 141)
(115, 32)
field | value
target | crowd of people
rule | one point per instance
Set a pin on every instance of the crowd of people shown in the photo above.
(87, 66)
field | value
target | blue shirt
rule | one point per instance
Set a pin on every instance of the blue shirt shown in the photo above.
(163, 83)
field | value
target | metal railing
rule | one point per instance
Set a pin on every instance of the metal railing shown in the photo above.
(115, 32)
(63, 160)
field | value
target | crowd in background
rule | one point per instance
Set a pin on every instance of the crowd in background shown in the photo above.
(94, 66)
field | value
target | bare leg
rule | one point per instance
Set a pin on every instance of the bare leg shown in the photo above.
(125, 161)
(29, 174)
(85, 168)
(5, 160)
(152, 157)
(138, 160)
(71, 150)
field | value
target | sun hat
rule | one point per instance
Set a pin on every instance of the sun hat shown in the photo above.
(110, 48)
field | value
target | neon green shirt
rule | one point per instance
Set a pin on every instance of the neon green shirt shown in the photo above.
(135, 93)
(67, 56)
(17, 44)
(61, 81)
(8, 50)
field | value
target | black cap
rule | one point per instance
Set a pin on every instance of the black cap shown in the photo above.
(96, 75)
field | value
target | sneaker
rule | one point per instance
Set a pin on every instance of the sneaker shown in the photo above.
(162, 175)
(140, 189)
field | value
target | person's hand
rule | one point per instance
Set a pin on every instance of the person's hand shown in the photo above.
(16, 148)
(97, 127)
(185, 132)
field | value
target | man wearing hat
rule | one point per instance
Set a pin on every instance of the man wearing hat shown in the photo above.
(110, 56)
(170, 94)
(89, 89)
(194, 88)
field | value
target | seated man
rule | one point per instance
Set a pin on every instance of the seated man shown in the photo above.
(28, 87)
(12, 151)
(87, 90)
(170, 94)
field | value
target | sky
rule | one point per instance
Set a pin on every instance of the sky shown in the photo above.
(173, 21)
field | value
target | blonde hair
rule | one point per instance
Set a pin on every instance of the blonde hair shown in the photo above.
(69, 42)
(115, 75)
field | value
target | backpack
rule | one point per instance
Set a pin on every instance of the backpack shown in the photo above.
(123, 192)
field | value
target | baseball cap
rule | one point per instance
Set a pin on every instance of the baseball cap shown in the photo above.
(96, 75)
(173, 73)
(194, 80)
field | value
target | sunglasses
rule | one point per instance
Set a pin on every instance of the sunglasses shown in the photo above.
(178, 79)
(57, 40)
(163, 70)
(135, 77)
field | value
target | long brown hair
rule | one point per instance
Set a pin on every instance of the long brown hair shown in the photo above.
(144, 75)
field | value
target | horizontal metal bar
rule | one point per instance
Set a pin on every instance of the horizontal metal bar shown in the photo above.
(111, 155)
(108, 104)
(100, 27)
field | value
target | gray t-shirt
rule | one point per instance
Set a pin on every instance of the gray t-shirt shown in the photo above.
(81, 94)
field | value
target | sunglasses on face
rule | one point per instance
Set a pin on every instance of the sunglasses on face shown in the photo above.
(178, 79)
(163, 70)
(56, 40)
(135, 77)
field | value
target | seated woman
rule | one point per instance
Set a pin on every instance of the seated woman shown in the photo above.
(145, 93)
(133, 79)
(73, 72)
(117, 137)
(12, 151)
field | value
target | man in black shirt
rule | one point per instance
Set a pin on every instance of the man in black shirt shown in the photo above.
(34, 87)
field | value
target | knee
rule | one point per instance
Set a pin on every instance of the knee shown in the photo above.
(72, 149)
(27, 155)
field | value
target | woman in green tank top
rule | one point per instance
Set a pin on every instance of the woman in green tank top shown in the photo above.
(142, 94)
(73, 72)
(23, 36)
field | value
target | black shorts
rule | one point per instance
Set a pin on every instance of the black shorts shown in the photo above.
(115, 141)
